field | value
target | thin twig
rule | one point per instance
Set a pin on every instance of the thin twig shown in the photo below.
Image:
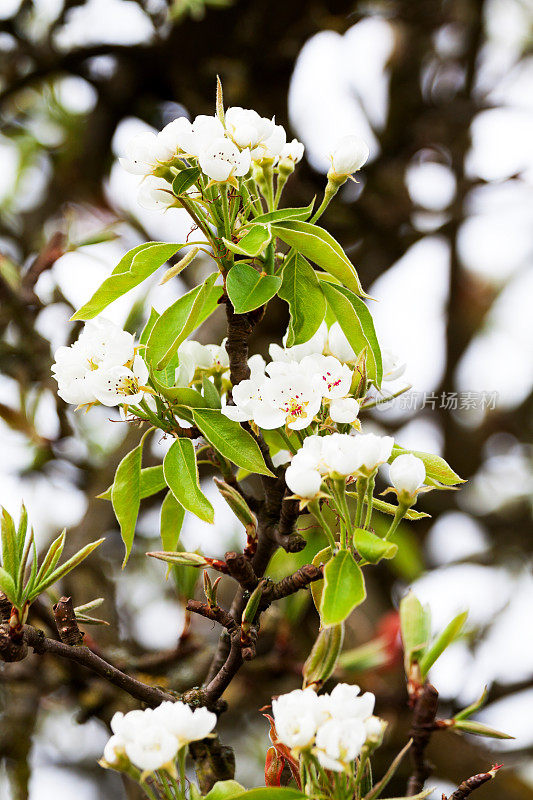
(423, 725)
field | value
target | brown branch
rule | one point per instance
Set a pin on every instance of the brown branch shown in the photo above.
(67, 625)
(86, 658)
(241, 570)
(220, 682)
(291, 584)
(214, 613)
(424, 714)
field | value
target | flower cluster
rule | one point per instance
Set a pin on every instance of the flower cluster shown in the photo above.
(337, 455)
(333, 727)
(224, 151)
(102, 366)
(150, 739)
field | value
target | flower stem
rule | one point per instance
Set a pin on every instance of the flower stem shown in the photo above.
(369, 499)
(329, 193)
(314, 508)
(398, 516)
(361, 491)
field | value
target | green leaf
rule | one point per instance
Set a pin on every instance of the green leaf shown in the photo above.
(344, 588)
(248, 289)
(7, 586)
(473, 707)
(126, 496)
(252, 243)
(284, 214)
(152, 481)
(64, 569)
(211, 395)
(185, 179)
(317, 587)
(181, 475)
(300, 288)
(321, 248)
(477, 728)
(230, 439)
(50, 560)
(180, 319)
(439, 645)
(356, 322)
(373, 548)
(273, 793)
(9, 544)
(147, 330)
(172, 515)
(436, 467)
(415, 624)
(225, 790)
(137, 265)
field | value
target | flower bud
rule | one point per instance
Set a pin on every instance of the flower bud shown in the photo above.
(407, 474)
(239, 506)
(304, 483)
(185, 559)
(323, 657)
(349, 155)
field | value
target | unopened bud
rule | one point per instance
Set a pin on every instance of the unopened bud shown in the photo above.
(252, 607)
(183, 559)
(322, 659)
(239, 506)
(177, 268)
(359, 378)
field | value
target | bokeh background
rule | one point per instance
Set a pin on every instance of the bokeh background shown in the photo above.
(440, 226)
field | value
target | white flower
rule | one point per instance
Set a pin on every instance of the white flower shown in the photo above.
(281, 457)
(201, 134)
(407, 474)
(219, 357)
(257, 365)
(114, 749)
(375, 728)
(152, 748)
(315, 345)
(340, 454)
(333, 379)
(186, 724)
(303, 482)
(246, 127)
(291, 400)
(155, 193)
(345, 409)
(119, 384)
(349, 155)
(247, 395)
(373, 450)
(176, 135)
(339, 742)
(297, 716)
(345, 702)
(393, 367)
(101, 345)
(293, 150)
(269, 149)
(338, 344)
(222, 160)
(127, 726)
(144, 153)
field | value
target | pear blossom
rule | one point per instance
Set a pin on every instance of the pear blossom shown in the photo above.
(183, 722)
(155, 193)
(333, 378)
(281, 457)
(270, 148)
(338, 344)
(393, 366)
(348, 156)
(114, 750)
(153, 748)
(373, 450)
(222, 160)
(297, 715)
(305, 483)
(203, 131)
(176, 136)
(294, 151)
(315, 345)
(247, 395)
(120, 384)
(339, 742)
(246, 127)
(290, 400)
(375, 728)
(407, 474)
(345, 702)
(344, 409)
(144, 152)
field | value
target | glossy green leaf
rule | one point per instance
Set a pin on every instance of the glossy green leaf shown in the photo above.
(180, 319)
(371, 547)
(344, 588)
(171, 520)
(356, 322)
(9, 544)
(137, 265)
(152, 481)
(230, 439)
(436, 467)
(248, 289)
(285, 214)
(225, 790)
(322, 249)
(301, 289)
(439, 645)
(126, 496)
(147, 330)
(64, 569)
(211, 395)
(415, 624)
(7, 585)
(185, 179)
(252, 243)
(181, 475)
